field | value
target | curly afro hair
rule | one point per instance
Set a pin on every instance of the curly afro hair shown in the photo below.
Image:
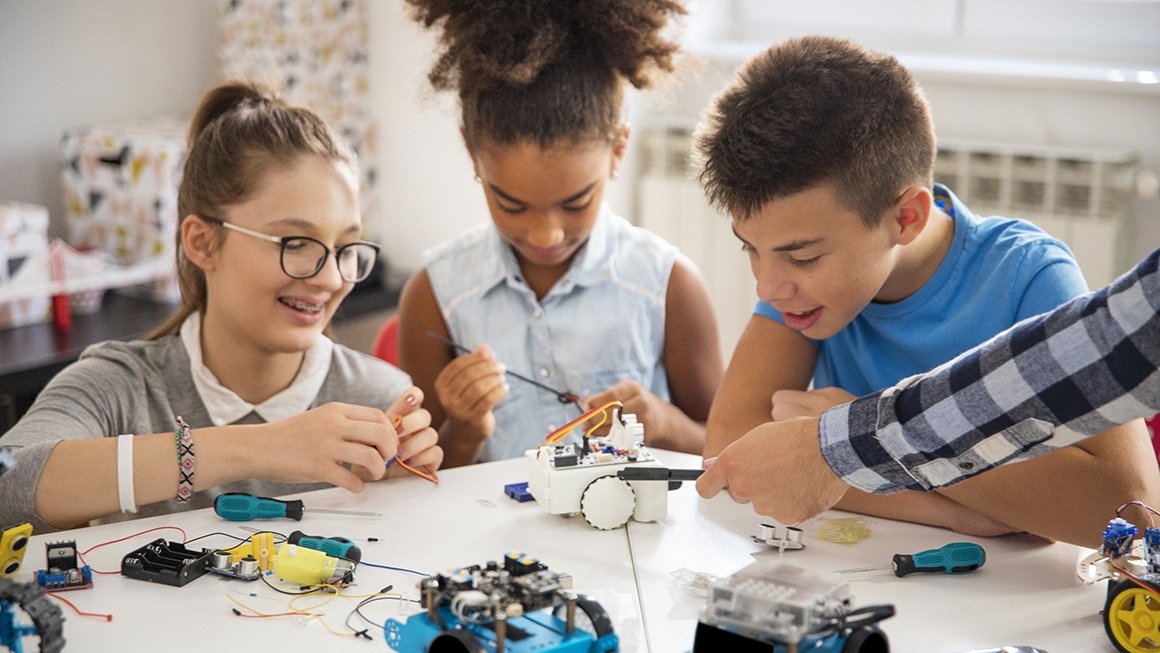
(542, 70)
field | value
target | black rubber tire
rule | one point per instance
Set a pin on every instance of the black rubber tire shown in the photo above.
(455, 641)
(866, 639)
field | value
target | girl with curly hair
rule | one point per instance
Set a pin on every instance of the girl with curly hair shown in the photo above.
(557, 287)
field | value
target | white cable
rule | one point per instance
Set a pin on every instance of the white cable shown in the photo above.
(125, 473)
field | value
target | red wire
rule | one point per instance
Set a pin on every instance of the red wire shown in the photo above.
(127, 537)
(80, 613)
(81, 554)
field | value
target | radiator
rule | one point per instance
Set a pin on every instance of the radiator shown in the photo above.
(1083, 197)
(670, 203)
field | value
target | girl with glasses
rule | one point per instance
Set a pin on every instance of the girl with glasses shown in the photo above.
(241, 390)
(557, 288)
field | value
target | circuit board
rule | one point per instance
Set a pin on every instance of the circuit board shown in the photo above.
(601, 452)
(518, 585)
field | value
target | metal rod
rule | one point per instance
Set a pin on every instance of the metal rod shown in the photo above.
(564, 397)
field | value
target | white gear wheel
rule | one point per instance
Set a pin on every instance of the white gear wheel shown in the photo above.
(607, 503)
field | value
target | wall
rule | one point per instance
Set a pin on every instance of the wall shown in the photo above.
(71, 63)
(67, 63)
(1081, 73)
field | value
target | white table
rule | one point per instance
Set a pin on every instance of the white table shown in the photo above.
(1025, 594)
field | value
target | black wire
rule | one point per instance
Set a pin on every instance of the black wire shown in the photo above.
(317, 588)
(564, 397)
(358, 610)
(238, 538)
(202, 537)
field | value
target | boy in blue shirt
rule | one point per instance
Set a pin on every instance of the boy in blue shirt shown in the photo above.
(868, 272)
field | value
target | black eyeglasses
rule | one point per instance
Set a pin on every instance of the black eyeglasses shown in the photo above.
(302, 257)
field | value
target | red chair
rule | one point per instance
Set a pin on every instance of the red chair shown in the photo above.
(386, 344)
(1153, 424)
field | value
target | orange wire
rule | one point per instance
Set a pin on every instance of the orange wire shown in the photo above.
(430, 475)
(560, 433)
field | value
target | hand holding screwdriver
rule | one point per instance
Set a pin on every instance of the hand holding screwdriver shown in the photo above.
(954, 558)
(240, 506)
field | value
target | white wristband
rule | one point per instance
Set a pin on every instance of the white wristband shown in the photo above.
(125, 473)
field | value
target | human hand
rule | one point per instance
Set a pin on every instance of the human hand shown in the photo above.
(314, 446)
(788, 404)
(779, 467)
(418, 441)
(470, 386)
(648, 408)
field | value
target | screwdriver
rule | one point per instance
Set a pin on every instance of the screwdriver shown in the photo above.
(954, 558)
(240, 506)
(338, 547)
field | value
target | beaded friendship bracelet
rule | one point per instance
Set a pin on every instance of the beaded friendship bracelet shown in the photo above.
(184, 462)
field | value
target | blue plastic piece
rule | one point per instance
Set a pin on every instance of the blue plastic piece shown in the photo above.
(1152, 549)
(544, 634)
(518, 492)
(12, 633)
(81, 578)
(1118, 538)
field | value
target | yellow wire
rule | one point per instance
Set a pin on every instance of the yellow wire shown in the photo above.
(330, 596)
(603, 419)
(560, 433)
(336, 592)
(266, 614)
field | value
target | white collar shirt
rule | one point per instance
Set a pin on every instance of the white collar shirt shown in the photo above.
(226, 407)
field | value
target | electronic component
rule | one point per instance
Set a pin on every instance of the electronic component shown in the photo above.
(518, 492)
(61, 572)
(46, 620)
(774, 603)
(566, 479)
(260, 548)
(168, 563)
(514, 606)
(782, 538)
(13, 544)
(221, 562)
(1132, 568)
(298, 564)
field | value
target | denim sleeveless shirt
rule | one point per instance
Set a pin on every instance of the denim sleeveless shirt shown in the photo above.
(603, 321)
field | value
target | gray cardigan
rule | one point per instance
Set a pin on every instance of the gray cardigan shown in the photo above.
(139, 387)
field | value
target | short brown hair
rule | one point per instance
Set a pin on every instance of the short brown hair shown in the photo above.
(240, 132)
(812, 110)
(545, 71)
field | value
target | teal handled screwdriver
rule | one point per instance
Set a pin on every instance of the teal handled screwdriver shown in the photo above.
(954, 558)
(240, 506)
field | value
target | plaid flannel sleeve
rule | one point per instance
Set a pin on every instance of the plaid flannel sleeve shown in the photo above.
(1045, 383)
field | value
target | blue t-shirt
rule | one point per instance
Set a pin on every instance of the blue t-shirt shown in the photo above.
(997, 272)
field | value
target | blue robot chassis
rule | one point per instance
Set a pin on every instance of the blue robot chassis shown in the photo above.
(519, 605)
